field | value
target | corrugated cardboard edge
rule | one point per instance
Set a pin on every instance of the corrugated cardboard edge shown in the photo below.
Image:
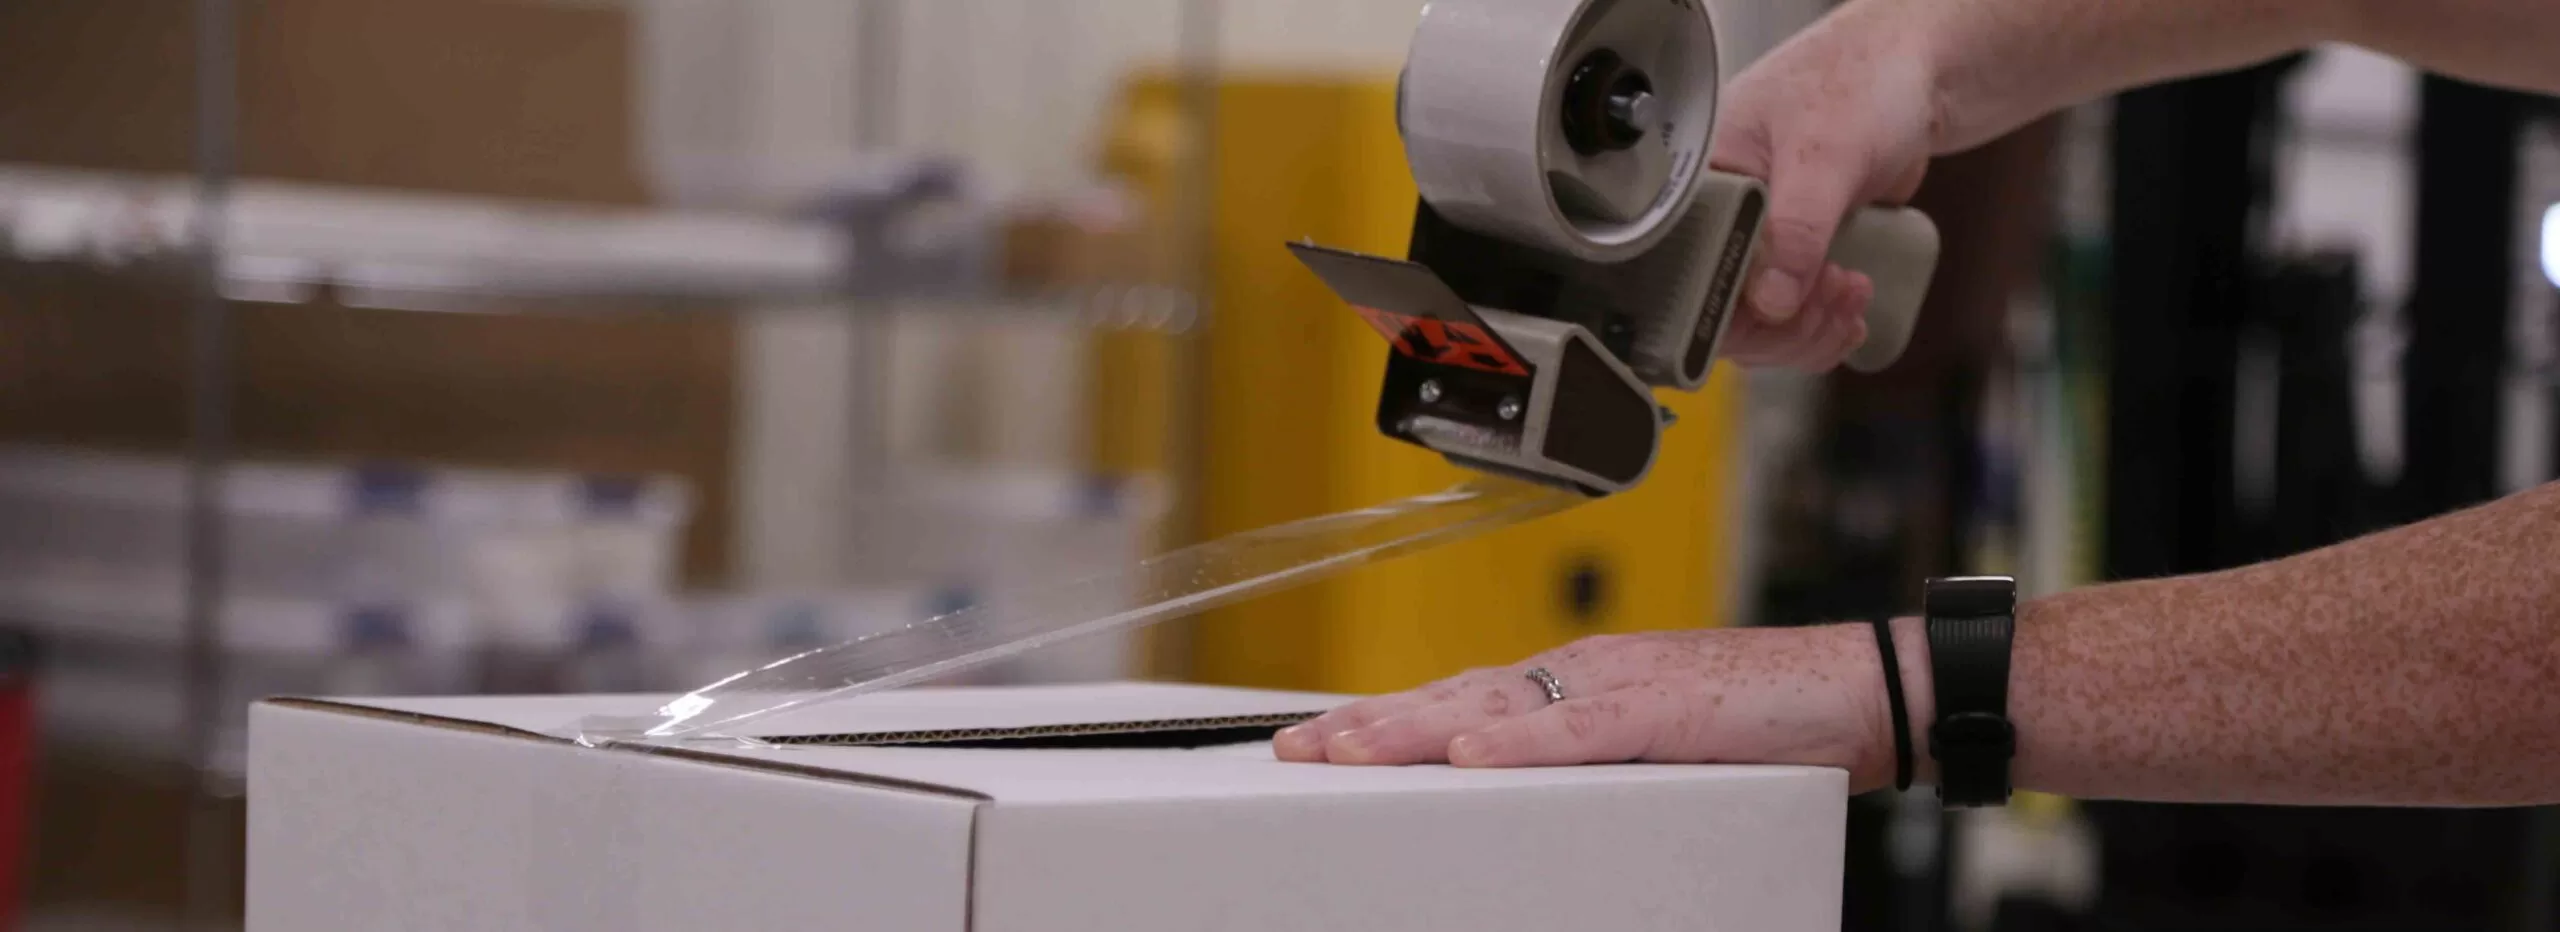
(827, 774)
(1083, 730)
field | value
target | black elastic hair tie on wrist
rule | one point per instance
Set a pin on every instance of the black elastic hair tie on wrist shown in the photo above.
(1893, 697)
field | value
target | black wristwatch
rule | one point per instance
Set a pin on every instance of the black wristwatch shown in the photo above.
(1970, 621)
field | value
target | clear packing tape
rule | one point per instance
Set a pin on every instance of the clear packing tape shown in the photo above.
(1165, 587)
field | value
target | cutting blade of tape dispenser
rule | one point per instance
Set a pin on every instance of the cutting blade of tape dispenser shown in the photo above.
(1417, 312)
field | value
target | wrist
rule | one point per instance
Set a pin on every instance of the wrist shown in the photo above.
(1968, 99)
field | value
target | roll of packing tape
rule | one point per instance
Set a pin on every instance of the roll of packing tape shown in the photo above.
(1578, 127)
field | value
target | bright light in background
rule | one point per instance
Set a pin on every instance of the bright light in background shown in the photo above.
(2551, 245)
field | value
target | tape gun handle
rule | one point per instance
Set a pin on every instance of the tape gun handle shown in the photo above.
(1897, 247)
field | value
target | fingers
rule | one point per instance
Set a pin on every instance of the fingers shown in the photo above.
(1811, 187)
(1826, 324)
(1818, 340)
(1742, 142)
(1857, 293)
(1613, 728)
(1421, 736)
(1841, 304)
(1756, 342)
(1306, 742)
(1416, 727)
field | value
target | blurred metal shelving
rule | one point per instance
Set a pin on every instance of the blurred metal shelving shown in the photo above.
(905, 249)
(908, 240)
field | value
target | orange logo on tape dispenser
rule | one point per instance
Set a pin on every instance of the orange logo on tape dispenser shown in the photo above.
(1432, 340)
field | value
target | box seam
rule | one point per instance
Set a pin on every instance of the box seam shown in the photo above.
(970, 879)
(1750, 774)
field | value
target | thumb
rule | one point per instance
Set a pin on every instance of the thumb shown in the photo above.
(1808, 196)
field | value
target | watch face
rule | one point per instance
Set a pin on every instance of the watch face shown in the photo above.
(1970, 597)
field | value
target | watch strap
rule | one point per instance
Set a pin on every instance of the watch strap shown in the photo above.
(1971, 623)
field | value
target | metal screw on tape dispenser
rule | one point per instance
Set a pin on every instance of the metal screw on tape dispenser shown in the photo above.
(1608, 105)
(1635, 111)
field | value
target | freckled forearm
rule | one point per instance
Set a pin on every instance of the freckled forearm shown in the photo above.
(2004, 63)
(2501, 42)
(2420, 666)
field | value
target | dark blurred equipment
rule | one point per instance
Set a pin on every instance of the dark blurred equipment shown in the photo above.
(17, 770)
(1898, 476)
(2231, 442)
(2191, 170)
(2465, 294)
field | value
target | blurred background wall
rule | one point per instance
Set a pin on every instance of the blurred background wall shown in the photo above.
(539, 358)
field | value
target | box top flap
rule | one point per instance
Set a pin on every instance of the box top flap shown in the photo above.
(892, 737)
(922, 716)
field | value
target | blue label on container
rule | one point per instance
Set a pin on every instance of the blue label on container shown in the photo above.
(387, 488)
(607, 628)
(375, 627)
(610, 496)
(1101, 497)
(796, 628)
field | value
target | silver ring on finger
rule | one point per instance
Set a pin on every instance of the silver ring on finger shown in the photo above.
(1547, 681)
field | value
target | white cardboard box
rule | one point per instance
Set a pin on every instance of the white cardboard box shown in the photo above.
(460, 814)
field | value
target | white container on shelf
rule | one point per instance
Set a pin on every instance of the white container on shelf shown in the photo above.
(517, 571)
(627, 535)
(522, 547)
(149, 612)
(572, 568)
(115, 674)
(285, 529)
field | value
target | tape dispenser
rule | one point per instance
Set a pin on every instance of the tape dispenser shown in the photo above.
(1572, 250)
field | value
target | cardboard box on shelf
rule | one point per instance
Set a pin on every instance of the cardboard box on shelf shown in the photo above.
(1127, 807)
(527, 99)
(1102, 237)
